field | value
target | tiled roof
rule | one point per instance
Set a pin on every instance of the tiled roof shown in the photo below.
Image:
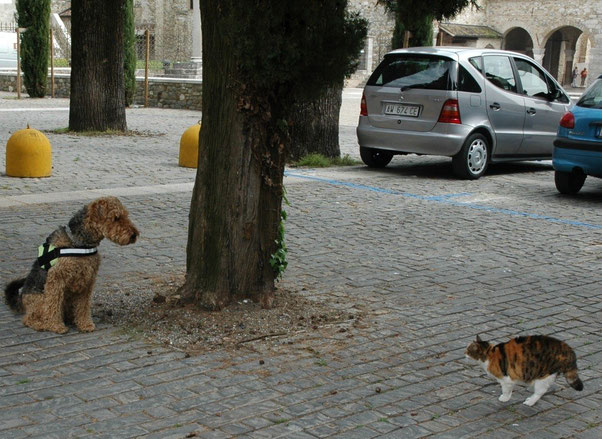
(469, 31)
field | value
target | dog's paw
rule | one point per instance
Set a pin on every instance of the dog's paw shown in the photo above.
(59, 329)
(504, 398)
(86, 327)
(44, 326)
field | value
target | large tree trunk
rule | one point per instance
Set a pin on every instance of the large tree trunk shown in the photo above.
(315, 125)
(97, 76)
(236, 201)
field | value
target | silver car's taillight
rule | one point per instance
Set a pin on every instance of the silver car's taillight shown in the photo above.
(450, 113)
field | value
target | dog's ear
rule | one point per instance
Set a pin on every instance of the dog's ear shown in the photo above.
(98, 208)
(479, 339)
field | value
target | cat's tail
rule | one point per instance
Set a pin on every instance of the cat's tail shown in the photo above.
(572, 377)
(12, 295)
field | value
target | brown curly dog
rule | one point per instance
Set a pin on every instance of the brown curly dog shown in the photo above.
(58, 288)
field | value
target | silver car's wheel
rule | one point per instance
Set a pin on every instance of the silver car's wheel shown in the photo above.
(472, 160)
(375, 158)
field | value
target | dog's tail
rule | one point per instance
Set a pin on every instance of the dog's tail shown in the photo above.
(12, 295)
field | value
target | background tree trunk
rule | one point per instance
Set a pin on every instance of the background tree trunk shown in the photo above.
(315, 125)
(235, 209)
(97, 76)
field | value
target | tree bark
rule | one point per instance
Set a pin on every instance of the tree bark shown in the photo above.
(236, 201)
(97, 73)
(315, 125)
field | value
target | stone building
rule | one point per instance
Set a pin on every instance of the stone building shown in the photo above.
(7, 13)
(175, 35)
(559, 34)
(378, 40)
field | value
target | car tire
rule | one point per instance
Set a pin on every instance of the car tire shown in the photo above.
(472, 160)
(569, 182)
(375, 158)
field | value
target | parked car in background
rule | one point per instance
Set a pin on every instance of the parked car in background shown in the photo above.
(477, 106)
(8, 49)
(578, 146)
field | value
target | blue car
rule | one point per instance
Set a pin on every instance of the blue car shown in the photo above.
(578, 144)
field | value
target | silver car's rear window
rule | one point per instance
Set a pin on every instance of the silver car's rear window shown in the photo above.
(408, 71)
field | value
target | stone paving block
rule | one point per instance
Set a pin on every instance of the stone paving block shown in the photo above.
(428, 272)
(214, 434)
(590, 433)
(125, 432)
(413, 431)
(178, 432)
(60, 425)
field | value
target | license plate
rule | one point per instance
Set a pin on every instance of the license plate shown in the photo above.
(402, 110)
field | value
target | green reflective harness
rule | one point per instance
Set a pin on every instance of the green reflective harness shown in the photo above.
(49, 254)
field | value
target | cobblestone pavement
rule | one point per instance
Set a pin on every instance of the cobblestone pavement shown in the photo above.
(431, 260)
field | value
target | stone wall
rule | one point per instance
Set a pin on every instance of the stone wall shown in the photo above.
(378, 41)
(170, 26)
(540, 19)
(163, 92)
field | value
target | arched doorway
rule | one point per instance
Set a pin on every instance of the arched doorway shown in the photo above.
(519, 40)
(560, 53)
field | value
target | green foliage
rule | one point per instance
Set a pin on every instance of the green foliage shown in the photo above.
(417, 17)
(152, 64)
(299, 48)
(413, 10)
(421, 29)
(278, 260)
(34, 15)
(61, 62)
(315, 160)
(422, 33)
(129, 43)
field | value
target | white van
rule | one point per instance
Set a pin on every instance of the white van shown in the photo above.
(8, 49)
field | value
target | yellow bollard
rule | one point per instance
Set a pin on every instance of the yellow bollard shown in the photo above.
(28, 154)
(189, 147)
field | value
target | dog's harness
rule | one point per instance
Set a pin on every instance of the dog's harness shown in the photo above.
(49, 254)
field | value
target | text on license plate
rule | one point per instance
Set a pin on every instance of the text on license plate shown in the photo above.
(402, 110)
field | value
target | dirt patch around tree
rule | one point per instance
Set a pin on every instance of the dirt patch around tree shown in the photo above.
(157, 315)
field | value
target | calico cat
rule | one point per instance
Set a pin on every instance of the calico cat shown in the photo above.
(534, 359)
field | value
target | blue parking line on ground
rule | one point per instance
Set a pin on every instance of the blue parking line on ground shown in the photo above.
(447, 199)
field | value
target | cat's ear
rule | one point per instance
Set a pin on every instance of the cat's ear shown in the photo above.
(479, 339)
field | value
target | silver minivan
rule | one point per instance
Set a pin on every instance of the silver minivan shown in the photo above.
(478, 106)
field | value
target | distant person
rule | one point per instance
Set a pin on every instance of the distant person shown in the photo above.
(575, 74)
(583, 76)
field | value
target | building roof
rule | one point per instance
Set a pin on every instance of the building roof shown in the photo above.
(469, 31)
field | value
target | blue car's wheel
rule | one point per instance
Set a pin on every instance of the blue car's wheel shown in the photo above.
(569, 182)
